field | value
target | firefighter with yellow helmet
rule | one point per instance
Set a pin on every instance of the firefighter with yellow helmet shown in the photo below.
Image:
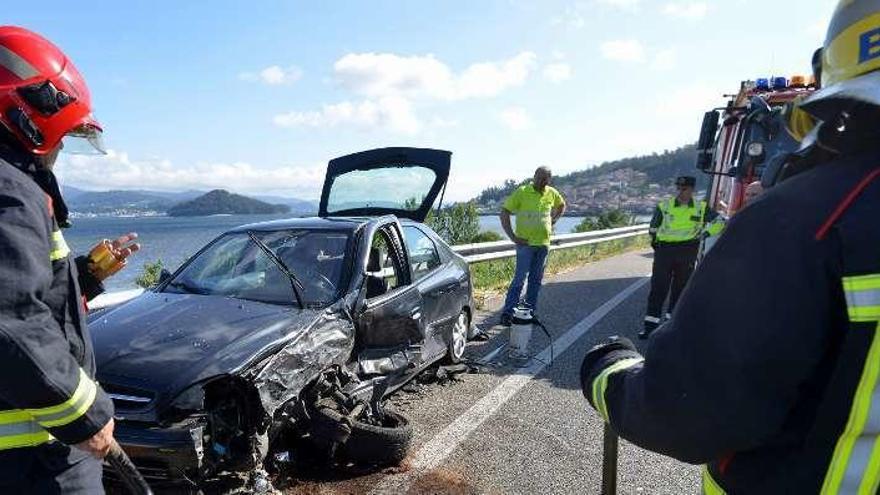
(784, 396)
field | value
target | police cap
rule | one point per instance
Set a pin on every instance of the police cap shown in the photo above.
(686, 181)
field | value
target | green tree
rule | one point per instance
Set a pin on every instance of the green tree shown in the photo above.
(149, 275)
(456, 224)
(588, 224)
(606, 220)
(613, 219)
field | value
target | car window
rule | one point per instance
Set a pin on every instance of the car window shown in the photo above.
(423, 256)
(234, 266)
(394, 187)
(383, 271)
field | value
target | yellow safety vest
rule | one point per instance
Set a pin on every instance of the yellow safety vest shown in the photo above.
(681, 222)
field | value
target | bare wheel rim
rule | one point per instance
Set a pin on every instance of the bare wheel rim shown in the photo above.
(459, 335)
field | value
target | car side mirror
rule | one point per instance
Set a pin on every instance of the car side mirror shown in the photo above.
(164, 276)
(706, 143)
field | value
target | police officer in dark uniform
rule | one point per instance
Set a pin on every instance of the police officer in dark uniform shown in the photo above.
(676, 229)
(55, 421)
(769, 371)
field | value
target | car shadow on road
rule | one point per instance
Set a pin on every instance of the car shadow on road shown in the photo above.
(564, 306)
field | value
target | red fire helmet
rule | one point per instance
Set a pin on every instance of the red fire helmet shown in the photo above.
(43, 97)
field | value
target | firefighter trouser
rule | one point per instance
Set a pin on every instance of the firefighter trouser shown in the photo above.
(673, 266)
(50, 469)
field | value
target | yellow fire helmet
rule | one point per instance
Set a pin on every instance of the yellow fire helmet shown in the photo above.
(850, 60)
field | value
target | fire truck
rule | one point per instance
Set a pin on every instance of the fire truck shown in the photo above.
(749, 138)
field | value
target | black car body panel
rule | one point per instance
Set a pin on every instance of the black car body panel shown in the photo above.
(393, 160)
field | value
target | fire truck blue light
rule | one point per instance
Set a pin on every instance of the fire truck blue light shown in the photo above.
(780, 83)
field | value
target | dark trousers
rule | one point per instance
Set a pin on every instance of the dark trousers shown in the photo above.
(50, 469)
(673, 266)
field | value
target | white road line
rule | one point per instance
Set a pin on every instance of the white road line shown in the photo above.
(446, 441)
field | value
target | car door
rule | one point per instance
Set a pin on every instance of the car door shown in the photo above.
(432, 278)
(391, 323)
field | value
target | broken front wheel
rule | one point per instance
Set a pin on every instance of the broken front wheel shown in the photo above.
(383, 442)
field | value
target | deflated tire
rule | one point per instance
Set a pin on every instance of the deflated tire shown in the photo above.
(385, 444)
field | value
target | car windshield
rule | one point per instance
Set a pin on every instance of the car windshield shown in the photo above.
(235, 266)
(393, 187)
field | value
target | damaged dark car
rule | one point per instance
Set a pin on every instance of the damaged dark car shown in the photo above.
(248, 339)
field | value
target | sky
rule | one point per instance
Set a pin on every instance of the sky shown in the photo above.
(257, 96)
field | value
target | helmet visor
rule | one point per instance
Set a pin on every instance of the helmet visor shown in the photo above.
(84, 140)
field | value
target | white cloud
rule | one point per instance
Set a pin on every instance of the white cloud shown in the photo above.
(387, 74)
(391, 85)
(274, 75)
(629, 5)
(572, 18)
(440, 122)
(391, 113)
(515, 118)
(664, 59)
(117, 170)
(632, 51)
(557, 72)
(623, 50)
(686, 10)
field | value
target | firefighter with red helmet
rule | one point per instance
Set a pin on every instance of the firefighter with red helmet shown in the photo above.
(769, 370)
(55, 421)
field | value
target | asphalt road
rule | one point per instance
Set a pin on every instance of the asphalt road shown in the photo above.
(527, 430)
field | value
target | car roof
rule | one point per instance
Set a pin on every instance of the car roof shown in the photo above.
(314, 223)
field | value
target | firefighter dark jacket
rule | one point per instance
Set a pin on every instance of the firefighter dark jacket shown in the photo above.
(768, 371)
(47, 365)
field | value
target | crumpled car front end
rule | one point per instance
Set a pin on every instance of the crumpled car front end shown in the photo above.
(217, 410)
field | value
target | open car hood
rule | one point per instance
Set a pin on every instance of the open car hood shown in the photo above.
(400, 181)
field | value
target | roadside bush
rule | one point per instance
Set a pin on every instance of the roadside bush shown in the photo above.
(607, 220)
(487, 236)
(149, 276)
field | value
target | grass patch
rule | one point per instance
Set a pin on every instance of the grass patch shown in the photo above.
(492, 277)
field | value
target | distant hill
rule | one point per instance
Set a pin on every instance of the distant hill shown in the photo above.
(219, 202)
(111, 201)
(634, 184)
(144, 201)
(297, 206)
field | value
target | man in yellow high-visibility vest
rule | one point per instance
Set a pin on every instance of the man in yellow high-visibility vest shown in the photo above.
(537, 207)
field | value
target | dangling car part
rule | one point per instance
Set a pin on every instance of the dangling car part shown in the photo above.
(344, 421)
(208, 369)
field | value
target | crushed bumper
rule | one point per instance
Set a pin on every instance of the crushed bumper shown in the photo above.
(162, 455)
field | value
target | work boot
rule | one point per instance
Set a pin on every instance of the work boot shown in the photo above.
(651, 324)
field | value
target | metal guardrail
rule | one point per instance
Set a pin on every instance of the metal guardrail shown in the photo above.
(488, 251)
(473, 253)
